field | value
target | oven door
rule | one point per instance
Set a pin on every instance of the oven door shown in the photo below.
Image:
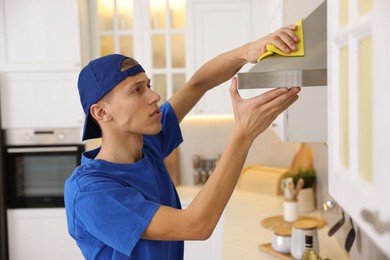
(36, 174)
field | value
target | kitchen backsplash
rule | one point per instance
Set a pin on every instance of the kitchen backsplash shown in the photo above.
(207, 137)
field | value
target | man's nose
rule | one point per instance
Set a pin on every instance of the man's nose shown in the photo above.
(154, 96)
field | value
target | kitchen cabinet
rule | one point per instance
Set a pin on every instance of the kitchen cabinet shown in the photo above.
(359, 143)
(171, 39)
(40, 100)
(39, 35)
(40, 58)
(212, 28)
(195, 250)
(40, 234)
(153, 32)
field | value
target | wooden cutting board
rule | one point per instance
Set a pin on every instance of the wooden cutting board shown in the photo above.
(267, 248)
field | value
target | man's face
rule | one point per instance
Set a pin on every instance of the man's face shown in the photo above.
(133, 106)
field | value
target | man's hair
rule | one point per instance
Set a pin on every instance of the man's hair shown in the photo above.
(128, 63)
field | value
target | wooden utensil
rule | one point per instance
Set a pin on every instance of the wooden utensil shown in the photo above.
(295, 189)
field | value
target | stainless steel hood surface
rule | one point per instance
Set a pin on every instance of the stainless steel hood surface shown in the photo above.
(308, 70)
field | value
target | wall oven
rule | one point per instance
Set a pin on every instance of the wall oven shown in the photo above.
(37, 163)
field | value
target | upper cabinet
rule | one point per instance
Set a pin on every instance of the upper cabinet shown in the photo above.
(215, 27)
(153, 32)
(40, 100)
(40, 58)
(39, 35)
(173, 38)
(359, 142)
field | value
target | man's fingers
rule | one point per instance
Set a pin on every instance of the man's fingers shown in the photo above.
(233, 89)
(269, 95)
(282, 102)
(276, 100)
(292, 27)
(285, 39)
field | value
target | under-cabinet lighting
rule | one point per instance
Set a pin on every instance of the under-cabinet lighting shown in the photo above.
(227, 117)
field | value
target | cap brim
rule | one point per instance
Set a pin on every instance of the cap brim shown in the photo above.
(91, 129)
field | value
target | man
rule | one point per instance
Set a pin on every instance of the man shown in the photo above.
(121, 202)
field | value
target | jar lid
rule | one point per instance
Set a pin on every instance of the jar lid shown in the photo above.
(282, 232)
(305, 224)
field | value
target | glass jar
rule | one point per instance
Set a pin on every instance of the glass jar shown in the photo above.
(281, 240)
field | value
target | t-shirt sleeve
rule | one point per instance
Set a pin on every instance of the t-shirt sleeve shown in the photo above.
(115, 215)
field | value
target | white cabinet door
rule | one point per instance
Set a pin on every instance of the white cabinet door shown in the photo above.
(359, 140)
(152, 31)
(195, 250)
(40, 234)
(41, 34)
(214, 27)
(40, 100)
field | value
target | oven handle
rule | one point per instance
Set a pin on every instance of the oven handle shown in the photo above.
(42, 149)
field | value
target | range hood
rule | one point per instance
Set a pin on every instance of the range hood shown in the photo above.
(308, 70)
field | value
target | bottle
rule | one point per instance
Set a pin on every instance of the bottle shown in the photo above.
(309, 253)
(300, 229)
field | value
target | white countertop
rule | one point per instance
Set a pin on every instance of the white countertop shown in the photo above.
(243, 233)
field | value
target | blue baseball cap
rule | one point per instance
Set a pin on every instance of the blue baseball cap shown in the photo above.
(96, 80)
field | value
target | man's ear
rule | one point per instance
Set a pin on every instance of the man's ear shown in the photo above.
(99, 112)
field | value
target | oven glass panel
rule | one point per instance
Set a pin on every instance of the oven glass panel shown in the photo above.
(36, 174)
(43, 174)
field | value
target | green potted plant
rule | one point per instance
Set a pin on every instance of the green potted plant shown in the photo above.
(308, 176)
(306, 193)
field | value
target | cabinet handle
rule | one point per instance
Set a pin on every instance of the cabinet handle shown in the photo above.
(274, 125)
(373, 218)
(329, 205)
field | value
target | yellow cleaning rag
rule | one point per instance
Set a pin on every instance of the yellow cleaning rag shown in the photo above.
(300, 52)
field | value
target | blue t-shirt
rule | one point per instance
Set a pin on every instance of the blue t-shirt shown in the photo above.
(109, 205)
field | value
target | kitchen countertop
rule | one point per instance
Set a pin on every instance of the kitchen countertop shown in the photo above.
(243, 233)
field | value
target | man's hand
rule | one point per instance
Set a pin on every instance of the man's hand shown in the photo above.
(226, 65)
(254, 115)
(284, 39)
